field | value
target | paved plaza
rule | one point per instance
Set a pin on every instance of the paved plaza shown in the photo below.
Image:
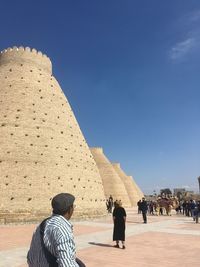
(163, 241)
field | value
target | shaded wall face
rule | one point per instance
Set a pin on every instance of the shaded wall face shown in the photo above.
(129, 183)
(112, 183)
(43, 151)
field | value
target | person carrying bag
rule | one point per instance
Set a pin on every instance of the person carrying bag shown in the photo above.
(52, 243)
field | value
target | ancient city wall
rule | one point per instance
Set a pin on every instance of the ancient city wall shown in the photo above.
(26, 55)
(129, 184)
(139, 191)
(42, 149)
(112, 183)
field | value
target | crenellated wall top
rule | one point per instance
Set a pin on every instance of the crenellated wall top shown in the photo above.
(25, 55)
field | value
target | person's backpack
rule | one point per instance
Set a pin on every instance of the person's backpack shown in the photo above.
(38, 255)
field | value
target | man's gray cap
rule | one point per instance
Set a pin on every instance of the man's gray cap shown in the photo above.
(61, 202)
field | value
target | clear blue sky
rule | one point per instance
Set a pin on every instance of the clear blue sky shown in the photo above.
(131, 72)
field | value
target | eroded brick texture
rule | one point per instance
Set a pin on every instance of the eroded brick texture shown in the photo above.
(42, 149)
(112, 183)
(132, 188)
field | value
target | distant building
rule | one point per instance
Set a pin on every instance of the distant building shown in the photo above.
(179, 190)
(199, 183)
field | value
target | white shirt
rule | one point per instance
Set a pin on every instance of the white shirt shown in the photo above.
(59, 240)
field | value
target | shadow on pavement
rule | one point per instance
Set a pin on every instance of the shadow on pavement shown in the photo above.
(100, 244)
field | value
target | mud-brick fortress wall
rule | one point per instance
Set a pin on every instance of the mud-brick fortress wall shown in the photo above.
(42, 149)
(130, 184)
(113, 184)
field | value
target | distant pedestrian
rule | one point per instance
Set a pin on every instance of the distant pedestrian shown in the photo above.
(144, 208)
(107, 205)
(183, 206)
(138, 204)
(151, 208)
(110, 203)
(197, 212)
(161, 211)
(119, 220)
(192, 206)
(187, 209)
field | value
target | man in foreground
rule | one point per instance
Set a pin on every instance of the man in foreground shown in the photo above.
(56, 237)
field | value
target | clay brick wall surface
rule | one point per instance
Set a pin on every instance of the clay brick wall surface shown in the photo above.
(129, 184)
(112, 183)
(42, 149)
(139, 191)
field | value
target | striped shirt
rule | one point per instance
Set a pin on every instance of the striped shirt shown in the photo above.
(59, 240)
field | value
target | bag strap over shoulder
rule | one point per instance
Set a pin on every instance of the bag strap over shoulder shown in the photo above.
(51, 259)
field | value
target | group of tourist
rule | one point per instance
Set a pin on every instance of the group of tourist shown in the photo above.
(190, 208)
(163, 206)
(155, 208)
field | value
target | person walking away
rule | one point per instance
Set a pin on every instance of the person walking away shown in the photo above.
(55, 237)
(119, 220)
(111, 203)
(187, 209)
(144, 208)
(151, 208)
(192, 206)
(183, 206)
(195, 214)
(107, 205)
(138, 204)
(197, 211)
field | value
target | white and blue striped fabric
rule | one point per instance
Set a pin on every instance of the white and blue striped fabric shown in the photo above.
(37, 256)
(59, 240)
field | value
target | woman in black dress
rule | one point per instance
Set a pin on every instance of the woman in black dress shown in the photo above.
(119, 220)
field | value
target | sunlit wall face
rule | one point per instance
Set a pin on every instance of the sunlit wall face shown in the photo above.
(42, 149)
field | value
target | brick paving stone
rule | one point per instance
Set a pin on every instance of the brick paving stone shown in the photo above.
(165, 240)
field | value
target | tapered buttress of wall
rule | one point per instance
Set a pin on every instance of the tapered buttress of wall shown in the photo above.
(129, 184)
(112, 183)
(42, 149)
(139, 191)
